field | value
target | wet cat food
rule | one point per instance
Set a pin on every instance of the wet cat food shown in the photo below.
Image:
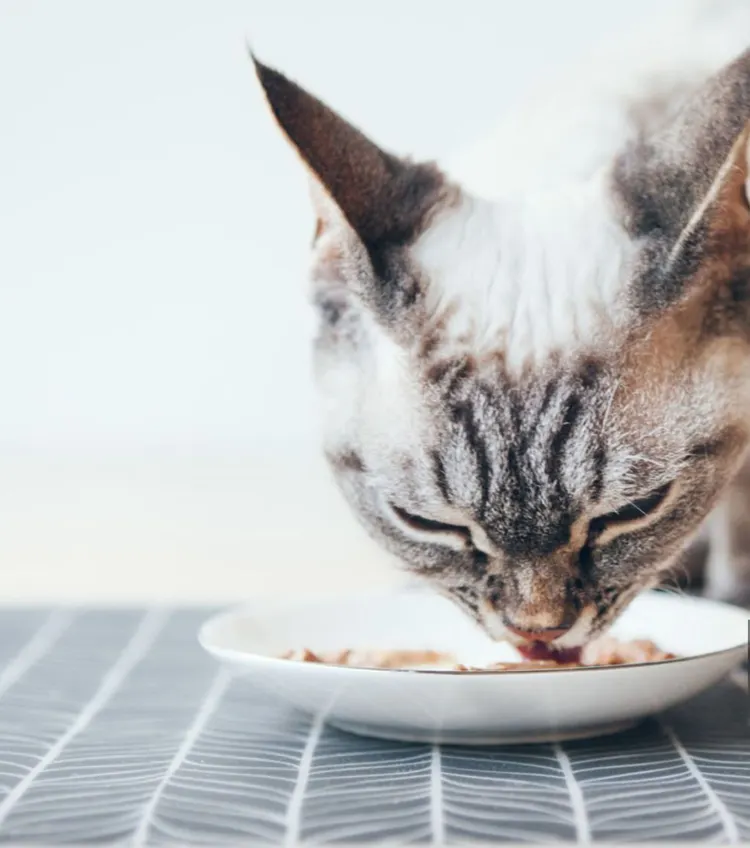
(604, 651)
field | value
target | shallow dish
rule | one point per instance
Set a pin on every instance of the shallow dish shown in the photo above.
(478, 708)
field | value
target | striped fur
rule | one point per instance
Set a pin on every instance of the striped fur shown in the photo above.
(534, 400)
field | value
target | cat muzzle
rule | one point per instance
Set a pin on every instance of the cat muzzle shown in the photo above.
(548, 634)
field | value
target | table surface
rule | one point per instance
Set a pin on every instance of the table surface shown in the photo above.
(116, 727)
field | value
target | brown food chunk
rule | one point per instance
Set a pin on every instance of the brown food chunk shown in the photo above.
(406, 659)
(604, 651)
(609, 651)
(372, 659)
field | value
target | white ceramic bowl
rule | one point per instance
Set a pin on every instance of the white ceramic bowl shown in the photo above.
(478, 708)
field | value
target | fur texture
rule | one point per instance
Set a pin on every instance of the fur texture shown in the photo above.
(536, 391)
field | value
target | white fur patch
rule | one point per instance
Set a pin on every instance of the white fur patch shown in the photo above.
(391, 400)
(528, 276)
(534, 266)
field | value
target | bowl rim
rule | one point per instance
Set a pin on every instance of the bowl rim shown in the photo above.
(237, 655)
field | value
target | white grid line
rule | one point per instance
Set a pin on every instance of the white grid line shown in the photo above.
(577, 801)
(136, 649)
(437, 813)
(720, 808)
(294, 810)
(40, 643)
(207, 708)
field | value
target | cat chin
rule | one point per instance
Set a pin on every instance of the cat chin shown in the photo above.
(575, 638)
(580, 633)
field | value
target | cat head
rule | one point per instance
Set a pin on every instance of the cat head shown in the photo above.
(533, 403)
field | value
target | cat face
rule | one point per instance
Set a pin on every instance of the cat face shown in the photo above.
(532, 404)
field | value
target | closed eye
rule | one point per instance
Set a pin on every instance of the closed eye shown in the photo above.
(632, 511)
(428, 525)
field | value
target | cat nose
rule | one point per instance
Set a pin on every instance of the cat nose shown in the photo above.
(545, 625)
(547, 634)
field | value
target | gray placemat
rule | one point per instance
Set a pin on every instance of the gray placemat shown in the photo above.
(116, 728)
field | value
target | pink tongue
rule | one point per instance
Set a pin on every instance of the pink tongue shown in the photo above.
(541, 651)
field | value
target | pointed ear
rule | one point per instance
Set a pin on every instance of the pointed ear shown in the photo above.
(382, 197)
(712, 245)
(720, 224)
(682, 188)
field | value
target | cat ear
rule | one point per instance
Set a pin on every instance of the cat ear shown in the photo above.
(684, 187)
(719, 227)
(670, 167)
(382, 197)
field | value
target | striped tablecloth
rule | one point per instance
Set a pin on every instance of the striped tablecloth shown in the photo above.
(116, 728)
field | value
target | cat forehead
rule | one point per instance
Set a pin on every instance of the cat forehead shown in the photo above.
(641, 396)
(529, 276)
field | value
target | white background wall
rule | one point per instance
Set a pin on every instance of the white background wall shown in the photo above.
(156, 429)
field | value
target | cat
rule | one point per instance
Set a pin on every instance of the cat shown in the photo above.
(534, 365)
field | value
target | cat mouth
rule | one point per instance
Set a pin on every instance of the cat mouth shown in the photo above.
(545, 651)
(562, 646)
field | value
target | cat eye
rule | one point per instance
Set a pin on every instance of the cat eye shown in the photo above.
(429, 525)
(632, 511)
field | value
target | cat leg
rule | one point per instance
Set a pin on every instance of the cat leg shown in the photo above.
(728, 566)
(690, 569)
